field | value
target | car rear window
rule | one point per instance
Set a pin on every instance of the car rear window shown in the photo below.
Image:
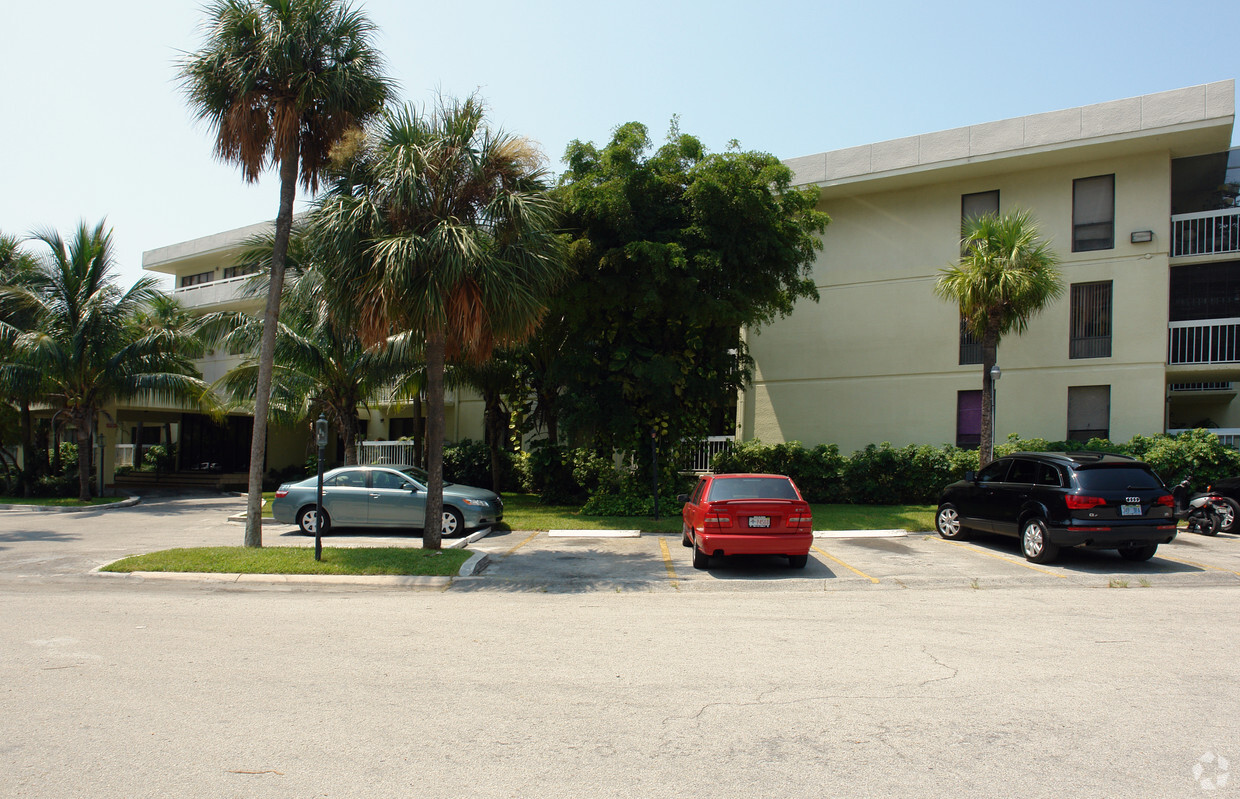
(1117, 478)
(752, 488)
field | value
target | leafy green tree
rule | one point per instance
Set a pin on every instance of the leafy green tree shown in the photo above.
(80, 342)
(280, 82)
(1005, 277)
(444, 231)
(498, 381)
(676, 251)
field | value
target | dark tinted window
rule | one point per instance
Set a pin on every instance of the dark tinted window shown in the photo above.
(1023, 472)
(697, 492)
(351, 478)
(994, 472)
(1117, 478)
(752, 488)
(1048, 475)
(387, 480)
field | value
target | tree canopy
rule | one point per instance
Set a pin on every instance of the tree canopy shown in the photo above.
(675, 251)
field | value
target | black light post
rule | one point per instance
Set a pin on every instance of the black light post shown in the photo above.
(654, 460)
(320, 434)
(995, 374)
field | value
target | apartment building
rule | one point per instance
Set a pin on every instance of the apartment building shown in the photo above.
(1138, 198)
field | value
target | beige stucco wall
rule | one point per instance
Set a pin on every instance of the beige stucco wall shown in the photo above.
(877, 358)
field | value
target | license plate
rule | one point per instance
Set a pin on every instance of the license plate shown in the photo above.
(1129, 510)
(759, 521)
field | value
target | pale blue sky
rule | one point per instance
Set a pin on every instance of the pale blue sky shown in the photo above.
(94, 125)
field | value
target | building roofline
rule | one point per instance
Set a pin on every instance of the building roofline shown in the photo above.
(1198, 119)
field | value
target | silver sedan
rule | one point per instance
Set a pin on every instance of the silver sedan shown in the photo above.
(382, 496)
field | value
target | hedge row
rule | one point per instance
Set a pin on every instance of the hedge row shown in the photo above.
(883, 475)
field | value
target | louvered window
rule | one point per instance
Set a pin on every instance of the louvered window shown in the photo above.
(1091, 320)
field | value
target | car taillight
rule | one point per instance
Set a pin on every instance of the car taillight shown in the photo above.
(281, 493)
(800, 519)
(717, 519)
(1165, 499)
(1081, 502)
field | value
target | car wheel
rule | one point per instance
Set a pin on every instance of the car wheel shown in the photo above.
(1035, 542)
(700, 559)
(1228, 510)
(1138, 553)
(306, 518)
(453, 523)
(947, 521)
(797, 561)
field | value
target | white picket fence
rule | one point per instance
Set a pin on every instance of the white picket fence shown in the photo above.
(386, 453)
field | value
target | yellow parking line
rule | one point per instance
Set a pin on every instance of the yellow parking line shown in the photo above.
(858, 572)
(1198, 565)
(667, 561)
(523, 543)
(997, 557)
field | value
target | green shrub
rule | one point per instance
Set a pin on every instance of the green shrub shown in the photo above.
(58, 485)
(629, 505)
(549, 474)
(159, 458)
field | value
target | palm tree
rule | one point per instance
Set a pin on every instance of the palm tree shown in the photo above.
(18, 268)
(1005, 276)
(321, 364)
(80, 342)
(443, 229)
(280, 82)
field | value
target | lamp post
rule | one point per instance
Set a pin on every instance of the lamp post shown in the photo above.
(995, 374)
(654, 464)
(320, 434)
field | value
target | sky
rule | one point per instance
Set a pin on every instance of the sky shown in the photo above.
(94, 125)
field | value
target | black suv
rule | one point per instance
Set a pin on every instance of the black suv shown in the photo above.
(1053, 499)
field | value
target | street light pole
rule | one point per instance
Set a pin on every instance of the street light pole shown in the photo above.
(995, 374)
(320, 434)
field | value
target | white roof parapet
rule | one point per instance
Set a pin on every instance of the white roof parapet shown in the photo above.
(1150, 114)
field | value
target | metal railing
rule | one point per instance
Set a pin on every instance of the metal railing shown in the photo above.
(1191, 387)
(124, 455)
(216, 291)
(700, 457)
(1206, 233)
(1229, 436)
(389, 453)
(1204, 341)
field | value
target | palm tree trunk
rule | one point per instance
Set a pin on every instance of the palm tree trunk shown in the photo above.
(266, 354)
(496, 429)
(348, 430)
(990, 354)
(29, 471)
(432, 527)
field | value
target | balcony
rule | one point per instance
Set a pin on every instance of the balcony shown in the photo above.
(217, 292)
(1229, 436)
(1206, 341)
(1206, 233)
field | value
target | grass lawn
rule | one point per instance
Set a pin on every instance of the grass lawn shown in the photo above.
(298, 560)
(59, 502)
(523, 512)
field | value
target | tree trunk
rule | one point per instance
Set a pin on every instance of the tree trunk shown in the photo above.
(84, 450)
(137, 446)
(986, 447)
(266, 356)
(496, 435)
(29, 470)
(433, 526)
(419, 433)
(348, 431)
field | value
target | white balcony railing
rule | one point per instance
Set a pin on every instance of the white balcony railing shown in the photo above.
(1206, 233)
(213, 293)
(388, 453)
(124, 455)
(1204, 341)
(1229, 436)
(705, 452)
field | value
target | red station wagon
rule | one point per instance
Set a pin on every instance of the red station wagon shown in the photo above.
(747, 514)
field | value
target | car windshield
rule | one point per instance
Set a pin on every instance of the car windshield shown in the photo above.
(1117, 478)
(752, 488)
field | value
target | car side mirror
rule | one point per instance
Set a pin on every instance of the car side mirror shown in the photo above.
(682, 498)
(413, 489)
(970, 477)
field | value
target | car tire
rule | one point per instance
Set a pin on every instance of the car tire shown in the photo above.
(797, 561)
(1138, 553)
(684, 538)
(947, 522)
(1035, 541)
(1229, 512)
(700, 559)
(1205, 521)
(306, 519)
(453, 523)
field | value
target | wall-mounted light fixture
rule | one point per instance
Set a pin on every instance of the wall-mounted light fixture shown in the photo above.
(1142, 236)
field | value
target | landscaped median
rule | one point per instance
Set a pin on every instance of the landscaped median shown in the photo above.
(357, 561)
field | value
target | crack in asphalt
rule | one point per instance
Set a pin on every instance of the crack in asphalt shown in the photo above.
(926, 651)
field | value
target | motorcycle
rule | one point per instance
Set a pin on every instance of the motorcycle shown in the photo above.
(1231, 509)
(1204, 512)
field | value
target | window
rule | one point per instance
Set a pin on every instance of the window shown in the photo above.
(994, 473)
(237, 271)
(388, 480)
(1023, 472)
(1090, 335)
(1089, 412)
(968, 419)
(1048, 475)
(974, 205)
(1205, 291)
(970, 345)
(1093, 213)
(198, 279)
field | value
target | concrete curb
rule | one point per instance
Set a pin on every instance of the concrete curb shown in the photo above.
(124, 503)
